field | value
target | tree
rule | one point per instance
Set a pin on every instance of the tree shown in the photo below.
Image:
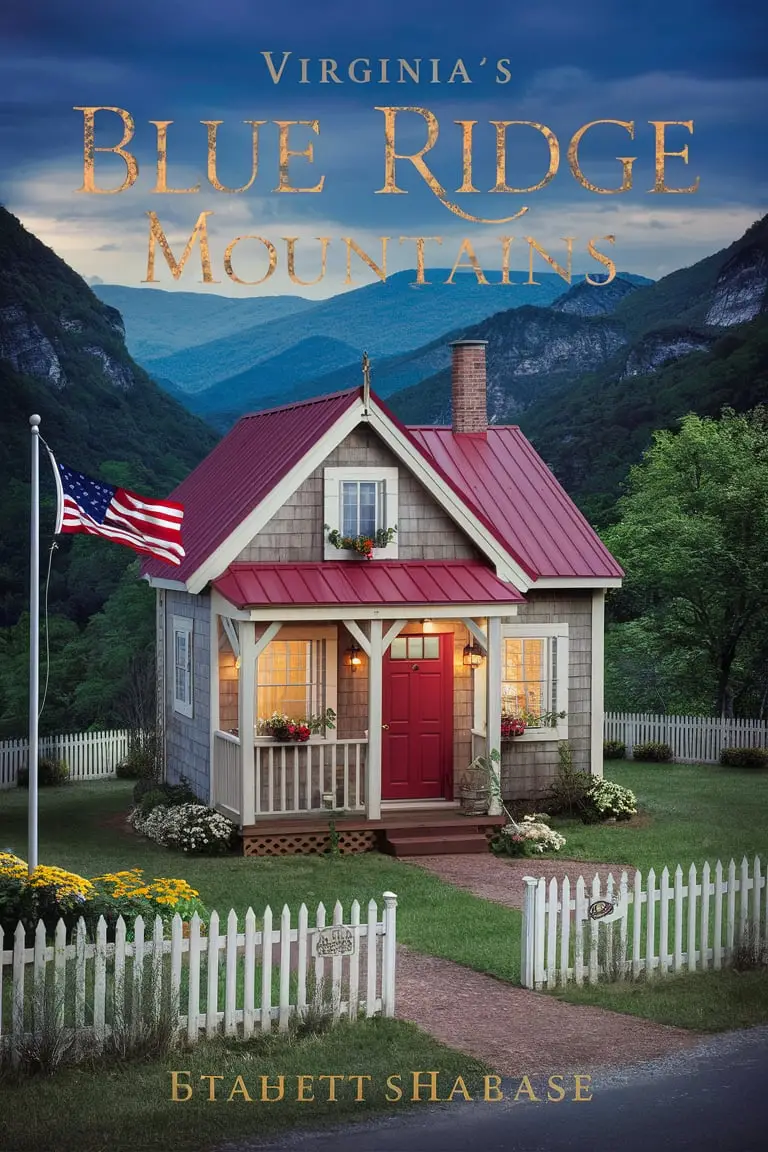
(693, 539)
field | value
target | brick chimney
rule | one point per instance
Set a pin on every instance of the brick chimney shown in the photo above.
(468, 388)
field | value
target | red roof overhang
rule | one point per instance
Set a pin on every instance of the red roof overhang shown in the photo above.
(362, 582)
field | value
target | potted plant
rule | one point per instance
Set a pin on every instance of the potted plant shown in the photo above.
(362, 545)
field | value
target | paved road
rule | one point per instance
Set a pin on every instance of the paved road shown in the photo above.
(713, 1098)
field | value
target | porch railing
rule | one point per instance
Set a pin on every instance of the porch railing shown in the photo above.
(309, 777)
(226, 773)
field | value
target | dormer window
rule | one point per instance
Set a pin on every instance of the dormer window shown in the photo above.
(360, 502)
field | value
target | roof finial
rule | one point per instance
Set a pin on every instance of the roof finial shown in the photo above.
(366, 382)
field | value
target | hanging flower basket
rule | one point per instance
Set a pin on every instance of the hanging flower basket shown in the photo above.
(361, 545)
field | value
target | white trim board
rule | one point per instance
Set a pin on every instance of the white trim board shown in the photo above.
(367, 612)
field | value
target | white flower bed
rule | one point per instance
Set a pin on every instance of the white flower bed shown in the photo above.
(186, 827)
(611, 799)
(534, 836)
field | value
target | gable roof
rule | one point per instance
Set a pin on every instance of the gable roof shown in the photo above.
(332, 582)
(499, 478)
(502, 475)
(243, 468)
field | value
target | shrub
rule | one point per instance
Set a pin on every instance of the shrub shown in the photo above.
(187, 827)
(167, 795)
(653, 753)
(744, 757)
(614, 749)
(531, 837)
(50, 773)
(139, 764)
(609, 800)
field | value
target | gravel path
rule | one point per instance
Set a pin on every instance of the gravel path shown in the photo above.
(500, 878)
(516, 1031)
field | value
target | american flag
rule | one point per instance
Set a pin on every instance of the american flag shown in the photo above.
(86, 505)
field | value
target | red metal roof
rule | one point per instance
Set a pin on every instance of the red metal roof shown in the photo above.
(500, 478)
(501, 475)
(357, 582)
(241, 471)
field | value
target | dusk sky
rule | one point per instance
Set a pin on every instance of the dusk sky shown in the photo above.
(570, 63)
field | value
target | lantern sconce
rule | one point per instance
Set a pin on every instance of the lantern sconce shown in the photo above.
(473, 656)
(353, 657)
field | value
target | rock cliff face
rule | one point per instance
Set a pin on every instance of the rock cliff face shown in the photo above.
(658, 348)
(27, 348)
(740, 292)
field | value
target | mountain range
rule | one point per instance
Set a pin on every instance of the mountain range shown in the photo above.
(255, 353)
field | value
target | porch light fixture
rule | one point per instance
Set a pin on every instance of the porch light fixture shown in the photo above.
(473, 656)
(353, 657)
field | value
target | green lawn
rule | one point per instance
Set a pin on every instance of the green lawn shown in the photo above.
(688, 813)
(432, 916)
(127, 1107)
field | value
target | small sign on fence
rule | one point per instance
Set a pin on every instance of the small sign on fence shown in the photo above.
(338, 940)
(607, 910)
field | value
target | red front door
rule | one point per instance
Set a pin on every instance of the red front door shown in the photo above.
(417, 714)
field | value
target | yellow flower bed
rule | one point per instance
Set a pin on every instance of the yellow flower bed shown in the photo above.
(163, 890)
(64, 883)
(127, 885)
(12, 867)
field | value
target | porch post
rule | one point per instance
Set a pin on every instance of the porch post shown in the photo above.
(373, 759)
(246, 721)
(493, 703)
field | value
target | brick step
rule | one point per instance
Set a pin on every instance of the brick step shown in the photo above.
(444, 845)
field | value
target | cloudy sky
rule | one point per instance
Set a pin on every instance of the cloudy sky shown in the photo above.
(568, 64)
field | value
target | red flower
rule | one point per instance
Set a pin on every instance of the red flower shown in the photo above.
(303, 733)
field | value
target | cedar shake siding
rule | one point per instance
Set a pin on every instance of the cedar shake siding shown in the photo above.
(528, 768)
(187, 738)
(295, 533)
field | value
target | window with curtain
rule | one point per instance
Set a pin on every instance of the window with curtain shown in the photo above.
(529, 675)
(290, 679)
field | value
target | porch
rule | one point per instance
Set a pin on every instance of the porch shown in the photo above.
(407, 685)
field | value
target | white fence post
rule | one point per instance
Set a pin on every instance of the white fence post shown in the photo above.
(528, 937)
(389, 955)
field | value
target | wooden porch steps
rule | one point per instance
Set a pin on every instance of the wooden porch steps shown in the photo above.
(442, 845)
(401, 833)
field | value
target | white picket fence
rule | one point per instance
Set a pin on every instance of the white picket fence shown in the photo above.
(679, 926)
(89, 755)
(214, 979)
(693, 739)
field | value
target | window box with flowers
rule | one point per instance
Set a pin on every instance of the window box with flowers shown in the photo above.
(512, 726)
(285, 730)
(362, 545)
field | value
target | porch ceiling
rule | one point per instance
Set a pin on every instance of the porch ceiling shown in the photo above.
(359, 583)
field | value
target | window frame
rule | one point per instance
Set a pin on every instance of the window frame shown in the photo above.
(333, 478)
(547, 632)
(183, 625)
(309, 633)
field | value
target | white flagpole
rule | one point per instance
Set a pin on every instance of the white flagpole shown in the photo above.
(34, 640)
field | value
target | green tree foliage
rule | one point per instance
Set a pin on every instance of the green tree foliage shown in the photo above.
(692, 536)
